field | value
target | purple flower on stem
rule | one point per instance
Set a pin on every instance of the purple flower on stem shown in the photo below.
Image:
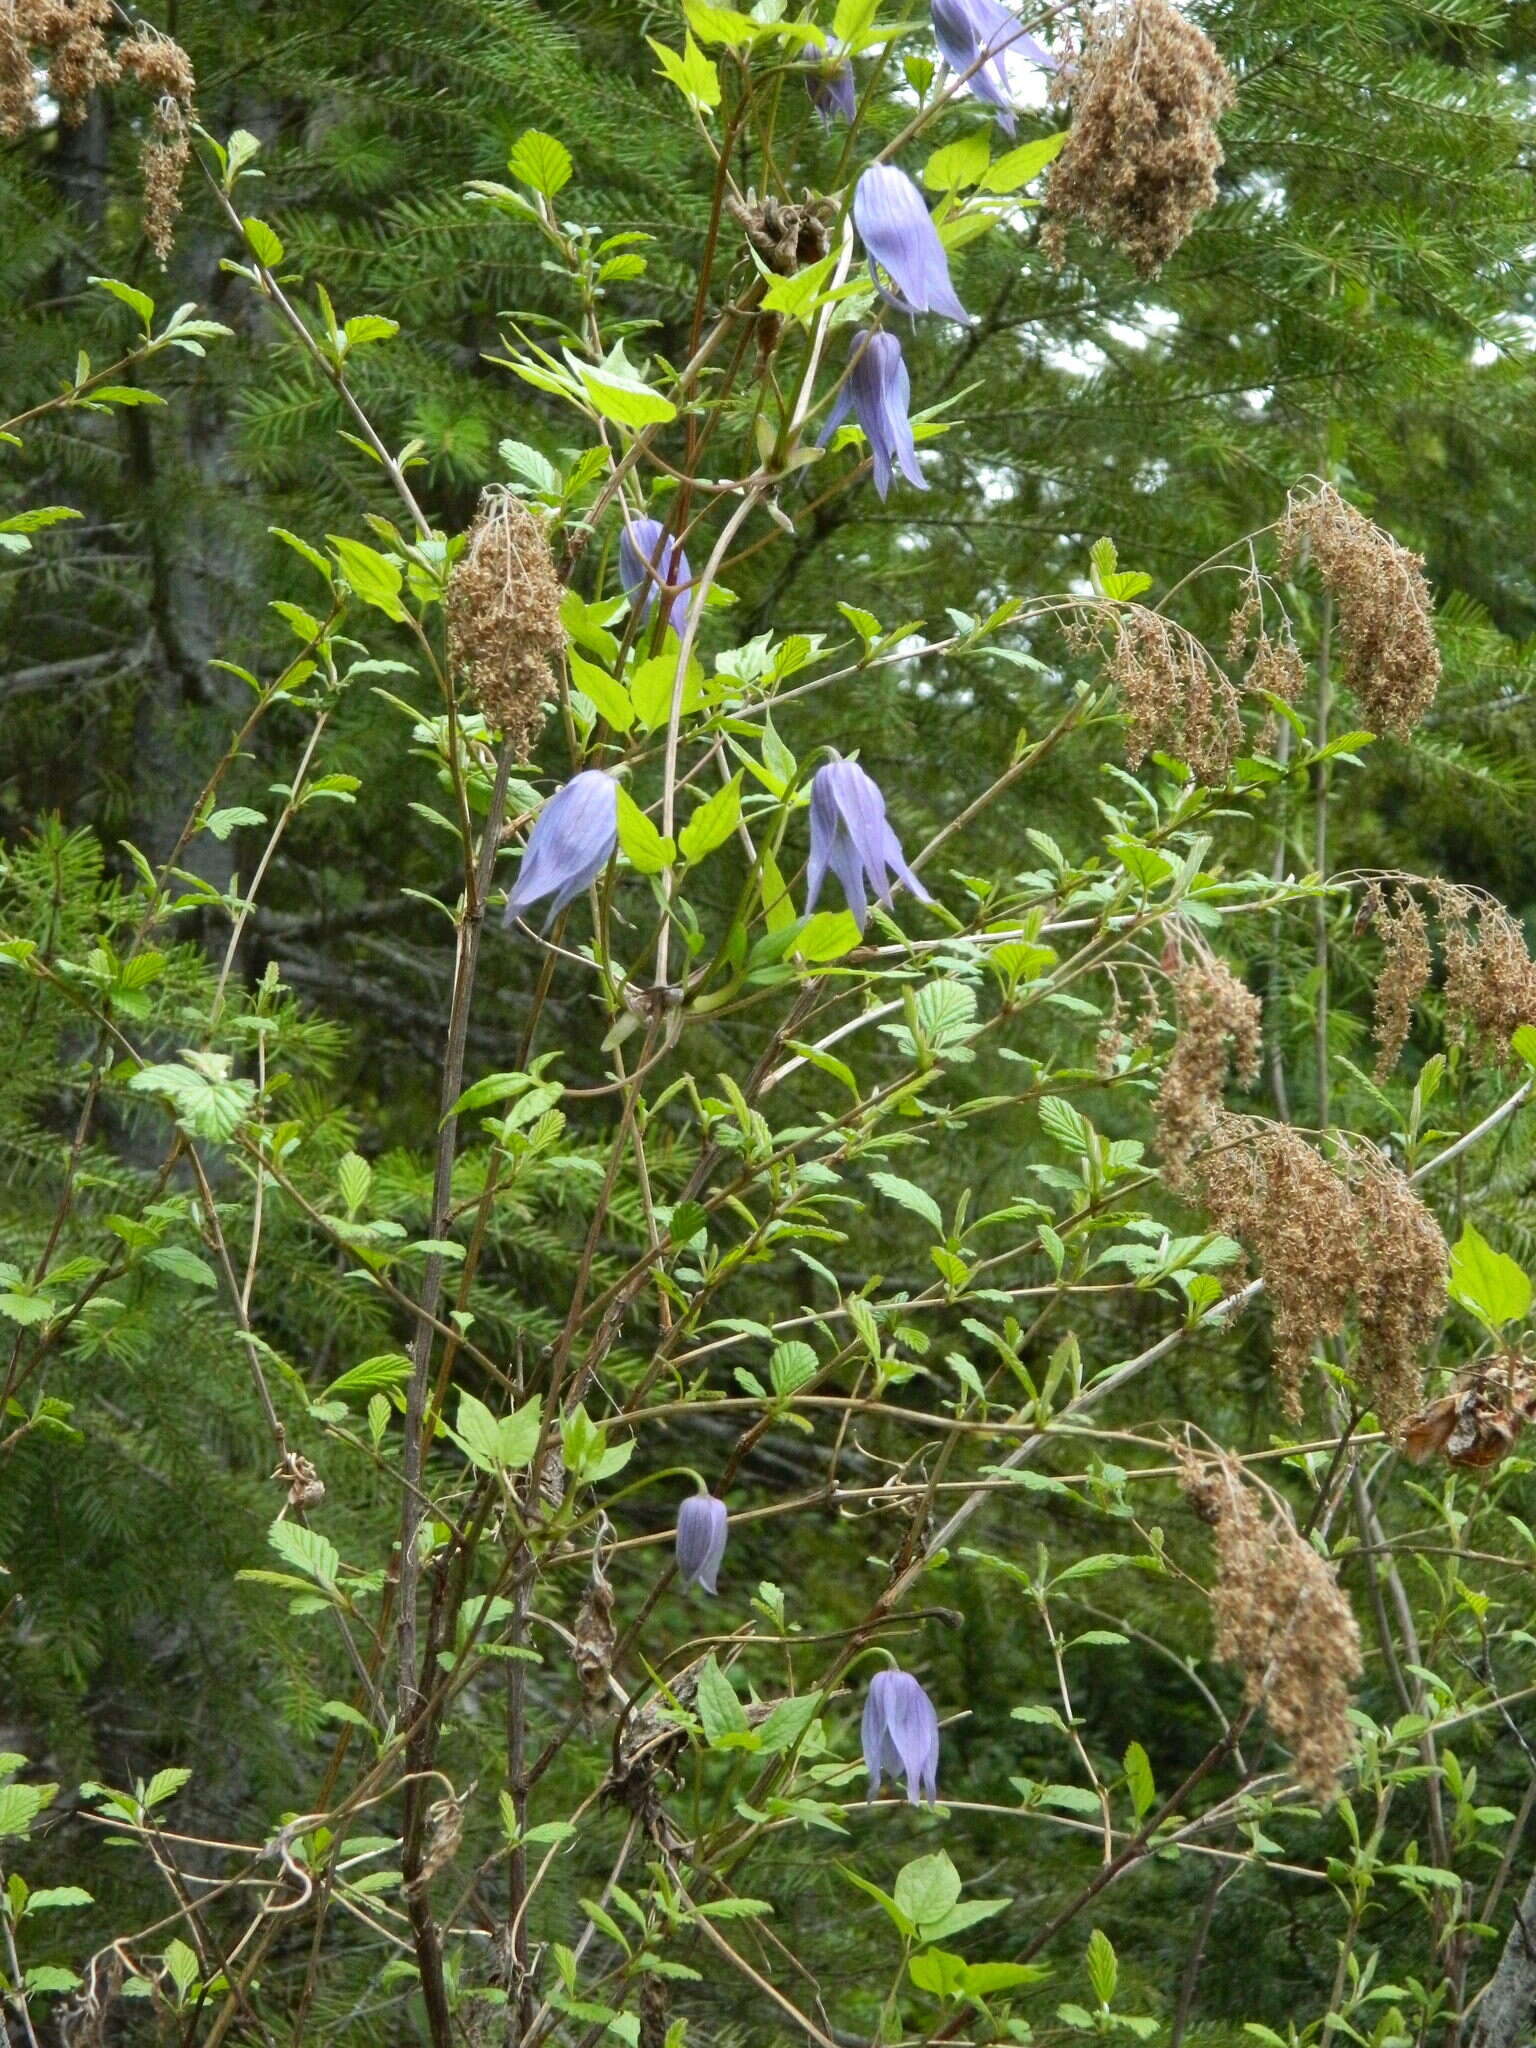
(901, 1735)
(830, 84)
(898, 232)
(979, 39)
(648, 558)
(879, 393)
(850, 835)
(572, 841)
(702, 1528)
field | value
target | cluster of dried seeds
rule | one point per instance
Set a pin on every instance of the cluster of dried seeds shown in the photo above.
(503, 608)
(1220, 1031)
(1405, 969)
(164, 70)
(1327, 1238)
(1478, 1423)
(1401, 1295)
(1386, 620)
(1177, 699)
(1276, 671)
(1139, 166)
(1282, 1618)
(71, 35)
(1263, 1184)
(1490, 978)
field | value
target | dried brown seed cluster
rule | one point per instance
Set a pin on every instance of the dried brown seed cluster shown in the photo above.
(1247, 613)
(71, 34)
(1478, 1422)
(595, 1637)
(159, 65)
(1263, 1184)
(1326, 1238)
(1401, 1295)
(1490, 978)
(1177, 699)
(1386, 619)
(504, 601)
(162, 68)
(1220, 1026)
(1147, 90)
(786, 234)
(1405, 969)
(1282, 1619)
(70, 37)
(18, 92)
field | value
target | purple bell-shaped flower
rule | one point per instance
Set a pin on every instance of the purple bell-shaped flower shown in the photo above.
(901, 1735)
(702, 1528)
(878, 392)
(650, 561)
(830, 83)
(851, 836)
(572, 841)
(898, 233)
(980, 41)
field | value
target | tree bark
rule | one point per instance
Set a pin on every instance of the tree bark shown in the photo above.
(1507, 2008)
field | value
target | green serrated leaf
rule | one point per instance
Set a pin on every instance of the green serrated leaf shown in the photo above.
(541, 161)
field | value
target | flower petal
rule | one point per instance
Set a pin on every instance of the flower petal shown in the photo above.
(898, 232)
(649, 559)
(572, 841)
(703, 1526)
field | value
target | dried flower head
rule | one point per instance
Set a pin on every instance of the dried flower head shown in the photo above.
(1327, 1238)
(160, 65)
(1406, 966)
(1220, 1027)
(1401, 1294)
(1147, 90)
(73, 32)
(1247, 613)
(1282, 1619)
(1176, 698)
(595, 1637)
(163, 68)
(1263, 1184)
(163, 165)
(1386, 620)
(787, 234)
(1276, 671)
(72, 35)
(18, 81)
(1477, 1424)
(504, 599)
(1490, 979)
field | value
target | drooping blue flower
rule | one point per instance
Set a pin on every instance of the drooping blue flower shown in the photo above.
(572, 841)
(649, 560)
(702, 1527)
(830, 83)
(879, 392)
(901, 1735)
(898, 232)
(979, 40)
(851, 836)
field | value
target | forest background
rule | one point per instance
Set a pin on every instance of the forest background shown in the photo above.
(1354, 308)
